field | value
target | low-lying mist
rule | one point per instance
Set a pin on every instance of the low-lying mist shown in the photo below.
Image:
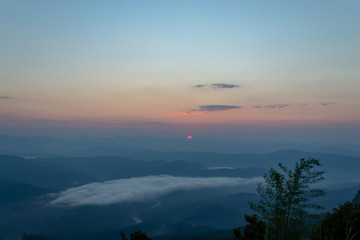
(139, 189)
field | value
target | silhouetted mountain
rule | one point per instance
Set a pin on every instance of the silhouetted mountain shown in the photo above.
(337, 167)
(25, 200)
(357, 197)
(109, 167)
(334, 197)
(15, 192)
(124, 146)
(199, 209)
(42, 174)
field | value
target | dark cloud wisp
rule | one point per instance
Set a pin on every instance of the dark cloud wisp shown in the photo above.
(217, 86)
(273, 106)
(200, 86)
(327, 103)
(224, 85)
(5, 97)
(159, 123)
(211, 108)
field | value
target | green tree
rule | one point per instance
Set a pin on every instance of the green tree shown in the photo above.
(137, 235)
(342, 223)
(255, 229)
(285, 199)
(237, 234)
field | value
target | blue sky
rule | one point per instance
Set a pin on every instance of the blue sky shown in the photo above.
(103, 64)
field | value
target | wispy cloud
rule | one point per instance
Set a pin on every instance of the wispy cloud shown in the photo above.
(208, 108)
(140, 189)
(212, 108)
(273, 106)
(218, 86)
(327, 103)
(200, 86)
(189, 113)
(224, 85)
(159, 123)
(5, 97)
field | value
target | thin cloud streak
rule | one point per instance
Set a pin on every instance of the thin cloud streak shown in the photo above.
(159, 123)
(189, 113)
(327, 103)
(273, 106)
(211, 108)
(208, 108)
(200, 86)
(224, 85)
(140, 189)
(5, 97)
(218, 86)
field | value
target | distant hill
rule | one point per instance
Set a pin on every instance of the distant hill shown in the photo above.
(26, 182)
(15, 192)
(357, 198)
(339, 168)
(111, 167)
(39, 146)
(42, 174)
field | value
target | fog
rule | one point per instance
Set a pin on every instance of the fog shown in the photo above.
(139, 189)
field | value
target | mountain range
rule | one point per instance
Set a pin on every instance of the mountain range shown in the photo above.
(56, 196)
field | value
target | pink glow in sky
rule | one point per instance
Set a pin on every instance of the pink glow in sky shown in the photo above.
(162, 66)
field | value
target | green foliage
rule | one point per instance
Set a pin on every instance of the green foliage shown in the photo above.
(123, 236)
(137, 235)
(285, 199)
(342, 223)
(255, 229)
(237, 233)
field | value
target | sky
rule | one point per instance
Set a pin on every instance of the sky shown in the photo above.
(220, 68)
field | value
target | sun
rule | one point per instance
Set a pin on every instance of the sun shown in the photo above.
(189, 137)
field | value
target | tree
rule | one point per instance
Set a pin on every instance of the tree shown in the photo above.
(237, 233)
(137, 235)
(285, 199)
(342, 223)
(255, 229)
